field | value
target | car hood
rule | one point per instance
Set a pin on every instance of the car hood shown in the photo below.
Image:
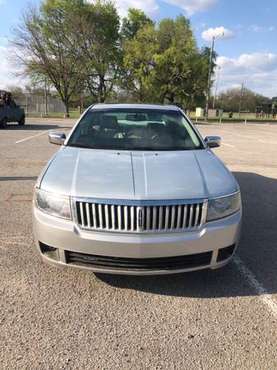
(108, 174)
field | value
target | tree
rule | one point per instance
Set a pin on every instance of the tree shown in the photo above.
(47, 49)
(164, 64)
(99, 41)
(74, 44)
(182, 69)
(230, 100)
(135, 21)
(139, 63)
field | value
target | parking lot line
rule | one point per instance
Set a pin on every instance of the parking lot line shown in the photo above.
(31, 137)
(229, 145)
(256, 285)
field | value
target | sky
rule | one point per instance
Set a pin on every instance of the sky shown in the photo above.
(245, 34)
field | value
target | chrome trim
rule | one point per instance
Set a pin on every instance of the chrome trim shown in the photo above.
(151, 217)
(225, 196)
(141, 202)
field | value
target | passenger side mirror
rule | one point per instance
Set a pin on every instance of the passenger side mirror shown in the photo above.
(213, 141)
(57, 138)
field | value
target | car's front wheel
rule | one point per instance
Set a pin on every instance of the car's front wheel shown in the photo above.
(3, 123)
(21, 122)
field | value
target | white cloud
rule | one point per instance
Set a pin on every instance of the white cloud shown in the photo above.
(218, 32)
(148, 6)
(9, 75)
(151, 6)
(192, 6)
(258, 71)
(259, 29)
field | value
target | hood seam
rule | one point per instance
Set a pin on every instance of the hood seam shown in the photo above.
(73, 185)
(133, 174)
(202, 175)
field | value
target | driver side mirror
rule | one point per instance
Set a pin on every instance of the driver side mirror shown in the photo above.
(57, 138)
(213, 141)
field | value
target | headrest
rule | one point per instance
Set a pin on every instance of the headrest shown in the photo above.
(109, 122)
(155, 126)
(136, 117)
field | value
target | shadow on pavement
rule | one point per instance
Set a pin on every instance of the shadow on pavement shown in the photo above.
(258, 250)
(18, 178)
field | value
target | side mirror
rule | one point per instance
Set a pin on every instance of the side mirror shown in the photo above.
(57, 138)
(213, 141)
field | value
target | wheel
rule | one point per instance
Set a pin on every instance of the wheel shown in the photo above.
(21, 122)
(3, 123)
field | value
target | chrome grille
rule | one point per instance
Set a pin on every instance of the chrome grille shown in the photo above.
(97, 216)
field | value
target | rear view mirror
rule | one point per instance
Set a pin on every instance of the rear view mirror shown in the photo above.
(213, 141)
(57, 138)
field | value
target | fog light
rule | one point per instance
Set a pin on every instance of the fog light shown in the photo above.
(49, 251)
(225, 253)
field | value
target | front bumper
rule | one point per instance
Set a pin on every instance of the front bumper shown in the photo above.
(61, 242)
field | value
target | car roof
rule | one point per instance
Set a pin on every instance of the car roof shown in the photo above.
(135, 106)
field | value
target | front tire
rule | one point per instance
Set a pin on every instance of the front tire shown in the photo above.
(21, 122)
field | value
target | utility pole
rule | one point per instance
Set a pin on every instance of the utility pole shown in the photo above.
(45, 98)
(216, 86)
(209, 79)
(241, 97)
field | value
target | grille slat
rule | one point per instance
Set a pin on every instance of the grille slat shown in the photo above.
(161, 211)
(166, 217)
(82, 214)
(154, 221)
(133, 223)
(197, 214)
(148, 218)
(185, 217)
(126, 218)
(88, 214)
(113, 217)
(179, 217)
(173, 211)
(142, 219)
(94, 216)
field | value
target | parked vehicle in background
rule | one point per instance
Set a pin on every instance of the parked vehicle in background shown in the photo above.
(10, 111)
(136, 190)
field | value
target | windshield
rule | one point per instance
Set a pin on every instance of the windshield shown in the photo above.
(135, 129)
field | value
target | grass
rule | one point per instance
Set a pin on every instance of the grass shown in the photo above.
(251, 117)
(74, 114)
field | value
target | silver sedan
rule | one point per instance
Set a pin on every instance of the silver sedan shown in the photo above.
(135, 189)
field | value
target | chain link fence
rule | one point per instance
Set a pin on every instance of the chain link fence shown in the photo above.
(41, 105)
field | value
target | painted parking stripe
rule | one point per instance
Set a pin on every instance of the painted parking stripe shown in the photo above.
(31, 137)
(264, 296)
(229, 145)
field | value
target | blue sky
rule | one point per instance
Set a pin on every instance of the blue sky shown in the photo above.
(247, 51)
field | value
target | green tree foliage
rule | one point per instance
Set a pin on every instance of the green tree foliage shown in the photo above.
(135, 21)
(99, 41)
(73, 44)
(165, 65)
(140, 63)
(46, 49)
(231, 99)
(79, 48)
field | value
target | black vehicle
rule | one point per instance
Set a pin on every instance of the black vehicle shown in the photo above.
(9, 110)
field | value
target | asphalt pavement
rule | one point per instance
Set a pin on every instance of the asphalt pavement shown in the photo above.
(69, 319)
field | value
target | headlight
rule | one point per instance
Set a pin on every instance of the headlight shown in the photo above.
(55, 205)
(223, 207)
